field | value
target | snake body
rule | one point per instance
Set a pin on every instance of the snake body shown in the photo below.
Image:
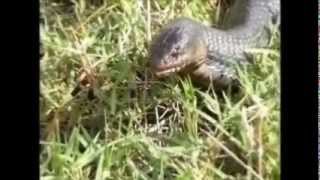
(208, 54)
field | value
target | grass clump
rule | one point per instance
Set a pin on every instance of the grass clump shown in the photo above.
(103, 116)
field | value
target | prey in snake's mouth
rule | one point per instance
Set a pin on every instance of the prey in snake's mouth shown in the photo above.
(178, 49)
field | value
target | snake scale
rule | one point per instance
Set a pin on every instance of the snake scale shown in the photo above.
(208, 54)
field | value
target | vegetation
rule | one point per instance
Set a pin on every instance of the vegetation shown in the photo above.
(104, 116)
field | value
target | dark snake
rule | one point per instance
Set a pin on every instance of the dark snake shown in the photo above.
(208, 54)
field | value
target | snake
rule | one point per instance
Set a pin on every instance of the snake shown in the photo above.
(207, 54)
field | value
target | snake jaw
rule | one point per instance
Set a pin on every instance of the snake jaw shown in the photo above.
(168, 65)
(177, 68)
(163, 72)
(184, 64)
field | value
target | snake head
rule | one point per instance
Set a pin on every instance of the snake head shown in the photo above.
(180, 47)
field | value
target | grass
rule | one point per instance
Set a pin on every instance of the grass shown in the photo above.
(122, 123)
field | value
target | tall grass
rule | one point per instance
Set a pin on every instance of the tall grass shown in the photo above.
(104, 116)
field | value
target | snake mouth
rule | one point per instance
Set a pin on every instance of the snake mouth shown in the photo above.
(169, 69)
(166, 70)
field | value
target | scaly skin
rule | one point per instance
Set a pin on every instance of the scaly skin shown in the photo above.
(208, 54)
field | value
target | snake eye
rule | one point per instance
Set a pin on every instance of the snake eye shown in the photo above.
(175, 52)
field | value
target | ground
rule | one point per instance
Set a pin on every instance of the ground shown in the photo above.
(104, 116)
